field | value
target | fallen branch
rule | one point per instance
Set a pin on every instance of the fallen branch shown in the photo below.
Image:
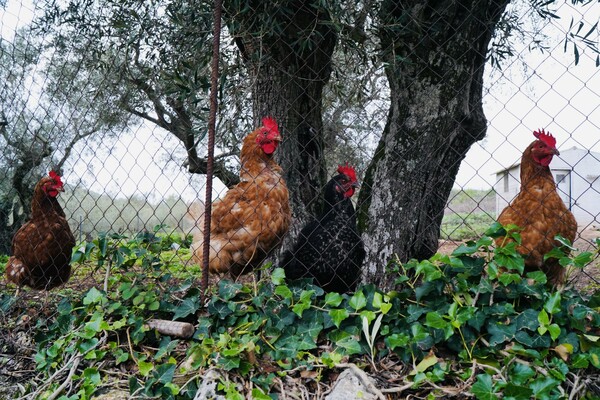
(67, 380)
(171, 328)
(364, 378)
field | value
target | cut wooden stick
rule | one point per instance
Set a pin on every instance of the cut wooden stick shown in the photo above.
(171, 328)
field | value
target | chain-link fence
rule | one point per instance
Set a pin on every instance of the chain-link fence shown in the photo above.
(432, 106)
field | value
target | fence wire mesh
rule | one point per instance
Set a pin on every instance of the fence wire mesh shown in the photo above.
(114, 97)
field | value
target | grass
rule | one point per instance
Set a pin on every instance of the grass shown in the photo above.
(468, 214)
(463, 226)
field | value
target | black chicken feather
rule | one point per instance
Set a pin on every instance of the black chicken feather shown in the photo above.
(329, 249)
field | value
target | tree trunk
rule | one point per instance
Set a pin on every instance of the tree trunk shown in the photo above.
(435, 55)
(289, 64)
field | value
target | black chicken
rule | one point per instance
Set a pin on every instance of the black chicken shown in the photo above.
(329, 249)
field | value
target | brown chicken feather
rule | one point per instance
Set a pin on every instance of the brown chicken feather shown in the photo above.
(539, 210)
(41, 248)
(254, 216)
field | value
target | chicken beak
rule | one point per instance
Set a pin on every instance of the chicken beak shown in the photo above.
(555, 152)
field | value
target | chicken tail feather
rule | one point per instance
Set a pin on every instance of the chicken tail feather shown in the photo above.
(194, 220)
(16, 272)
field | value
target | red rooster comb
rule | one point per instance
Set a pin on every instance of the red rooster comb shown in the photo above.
(270, 125)
(545, 137)
(55, 177)
(348, 171)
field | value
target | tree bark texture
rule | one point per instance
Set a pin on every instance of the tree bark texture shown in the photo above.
(435, 55)
(288, 47)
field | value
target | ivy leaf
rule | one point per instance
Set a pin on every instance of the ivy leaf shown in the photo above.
(507, 278)
(538, 276)
(483, 389)
(543, 386)
(187, 307)
(583, 259)
(429, 361)
(333, 299)
(228, 289)
(495, 230)
(94, 296)
(521, 374)
(164, 373)
(552, 305)
(338, 315)
(278, 276)
(92, 375)
(554, 330)
(595, 357)
(397, 340)
(512, 391)
(258, 394)
(358, 301)
(528, 319)
(565, 242)
(435, 320)
(544, 321)
(145, 367)
(500, 333)
(350, 344)
(284, 292)
(229, 363)
(465, 249)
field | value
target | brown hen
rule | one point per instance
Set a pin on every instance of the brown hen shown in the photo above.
(250, 221)
(41, 248)
(539, 210)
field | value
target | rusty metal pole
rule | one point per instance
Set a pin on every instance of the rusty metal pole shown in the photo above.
(212, 117)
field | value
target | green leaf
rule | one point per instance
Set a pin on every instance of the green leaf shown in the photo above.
(397, 340)
(435, 320)
(284, 292)
(464, 249)
(538, 276)
(521, 373)
(565, 242)
(594, 357)
(333, 299)
(429, 361)
(516, 392)
(507, 278)
(483, 388)
(358, 301)
(583, 259)
(495, 230)
(543, 386)
(164, 373)
(350, 344)
(338, 315)
(554, 330)
(544, 320)
(94, 296)
(278, 276)
(552, 305)
(500, 333)
(228, 289)
(145, 367)
(528, 319)
(258, 394)
(187, 307)
(92, 375)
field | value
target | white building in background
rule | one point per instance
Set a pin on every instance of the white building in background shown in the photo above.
(577, 174)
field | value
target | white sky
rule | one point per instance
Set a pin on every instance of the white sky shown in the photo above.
(553, 94)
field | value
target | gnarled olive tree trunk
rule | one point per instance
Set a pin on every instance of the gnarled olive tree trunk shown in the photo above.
(435, 55)
(287, 46)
